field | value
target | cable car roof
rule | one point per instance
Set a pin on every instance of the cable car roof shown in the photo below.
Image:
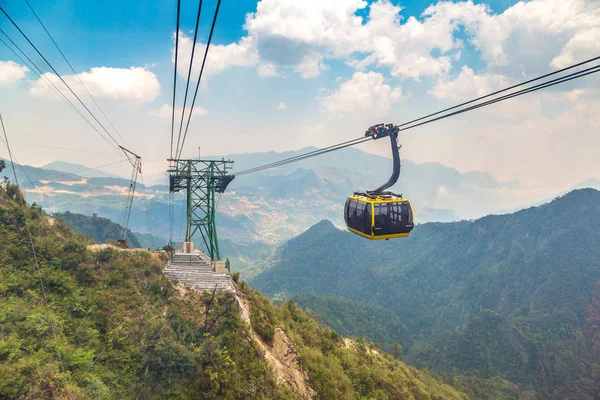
(380, 198)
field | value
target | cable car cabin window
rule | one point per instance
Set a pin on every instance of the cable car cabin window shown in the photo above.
(392, 218)
(359, 216)
(346, 210)
(351, 212)
(367, 219)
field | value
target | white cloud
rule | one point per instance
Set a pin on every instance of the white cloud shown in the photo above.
(467, 85)
(575, 94)
(281, 106)
(310, 67)
(530, 29)
(11, 72)
(584, 45)
(165, 111)
(365, 92)
(135, 84)
(266, 70)
(219, 58)
(303, 35)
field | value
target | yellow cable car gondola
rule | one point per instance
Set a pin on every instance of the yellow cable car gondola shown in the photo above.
(379, 214)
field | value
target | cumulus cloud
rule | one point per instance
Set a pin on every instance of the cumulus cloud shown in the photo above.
(364, 92)
(532, 28)
(135, 84)
(11, 72)
(166, 110)
(304, 35)
(281, 106)
(467, 85)
(583, 45)
(267, 69)
(219, 58)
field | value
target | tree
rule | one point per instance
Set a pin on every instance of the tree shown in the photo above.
(2, 165)
(396, 350)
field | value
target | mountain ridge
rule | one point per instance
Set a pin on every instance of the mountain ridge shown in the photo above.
(85, 323)
(535, 270)
(77, 169)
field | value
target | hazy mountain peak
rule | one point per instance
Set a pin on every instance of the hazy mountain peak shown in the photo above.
(78, 169)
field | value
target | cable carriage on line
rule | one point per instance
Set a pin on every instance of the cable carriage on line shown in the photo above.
(380, 214)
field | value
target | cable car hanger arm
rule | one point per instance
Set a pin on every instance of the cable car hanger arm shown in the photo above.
(377, 132)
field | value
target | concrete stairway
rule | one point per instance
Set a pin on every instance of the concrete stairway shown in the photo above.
(196, 273)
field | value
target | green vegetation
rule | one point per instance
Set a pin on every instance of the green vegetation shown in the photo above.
(246, 257)
(76, 324)
(507, 296)
(98, 229)
(356, 319)
(341, 368)
(110, 326)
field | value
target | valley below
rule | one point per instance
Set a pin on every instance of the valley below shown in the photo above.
(497, 306)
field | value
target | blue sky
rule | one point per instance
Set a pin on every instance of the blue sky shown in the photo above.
(293, 75)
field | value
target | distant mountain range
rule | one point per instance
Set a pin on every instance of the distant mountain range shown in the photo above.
(77, 169)
(514, 296)
(278, 204)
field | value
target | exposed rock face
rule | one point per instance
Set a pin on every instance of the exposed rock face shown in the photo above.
(282, 357)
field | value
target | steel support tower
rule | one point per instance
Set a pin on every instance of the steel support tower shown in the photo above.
(202, 180)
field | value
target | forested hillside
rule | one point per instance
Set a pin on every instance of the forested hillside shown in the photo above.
(357, 319)
(76, 324)
(98, 229)
(515, 296)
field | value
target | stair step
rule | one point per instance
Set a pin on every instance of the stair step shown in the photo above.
(196, 273)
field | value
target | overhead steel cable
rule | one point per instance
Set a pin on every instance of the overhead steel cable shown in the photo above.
(58, 75)
(301, 156)
(556, 81)
(37, 71)
(73, 70)
(50, 320)
(33, 185)
(306, 156)
(61, 148)
(502, 90)
(175, 75)
(428, 119)
(187, 85)
(212, 28)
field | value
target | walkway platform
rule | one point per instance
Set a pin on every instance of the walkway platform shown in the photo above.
(195, 271)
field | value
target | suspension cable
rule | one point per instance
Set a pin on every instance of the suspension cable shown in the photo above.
(28, 228)
(304, 156)
(175, 76)
(38, 72)
(187, 85)
(543, 85)
(502, 90)
(73, 70)
(33, 185)
(60, 148)
(212, 28)
(58, 75)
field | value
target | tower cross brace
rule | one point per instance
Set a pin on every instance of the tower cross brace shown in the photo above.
(202, 180)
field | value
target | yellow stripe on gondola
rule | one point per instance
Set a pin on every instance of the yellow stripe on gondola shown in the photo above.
(373, 237)
(383, 199)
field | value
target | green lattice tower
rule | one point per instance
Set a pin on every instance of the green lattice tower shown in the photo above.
(202, 180)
